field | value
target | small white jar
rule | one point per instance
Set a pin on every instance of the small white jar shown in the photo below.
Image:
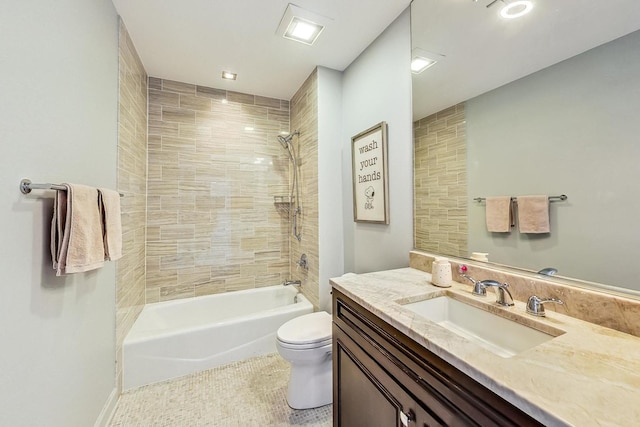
(441, 272)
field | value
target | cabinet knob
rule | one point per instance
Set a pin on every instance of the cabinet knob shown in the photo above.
(407, 418)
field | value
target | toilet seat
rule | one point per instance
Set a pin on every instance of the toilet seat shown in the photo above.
(305, 332)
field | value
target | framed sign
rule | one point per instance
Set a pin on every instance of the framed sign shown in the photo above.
(370, 185)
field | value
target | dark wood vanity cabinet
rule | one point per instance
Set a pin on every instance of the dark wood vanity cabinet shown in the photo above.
(383, 378)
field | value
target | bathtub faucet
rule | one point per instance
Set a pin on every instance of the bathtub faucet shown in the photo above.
(292, 282)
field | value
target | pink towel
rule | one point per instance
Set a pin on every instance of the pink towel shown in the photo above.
(112, 223)
(76, 231)
(533, 214)
(499, 211)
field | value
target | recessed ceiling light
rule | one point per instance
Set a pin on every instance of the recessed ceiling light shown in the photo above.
(301, 25)
(303, 31)
(516, 9)
(419, 64)
(229, 75)
(421, 60)
(249, 128)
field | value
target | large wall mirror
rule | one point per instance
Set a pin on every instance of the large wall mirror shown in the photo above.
(544, 104)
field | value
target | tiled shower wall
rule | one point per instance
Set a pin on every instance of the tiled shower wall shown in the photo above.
(304, 117)
(440, 182)
(132, 178)
(215, 165)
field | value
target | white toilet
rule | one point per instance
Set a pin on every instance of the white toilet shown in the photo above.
(306, 343)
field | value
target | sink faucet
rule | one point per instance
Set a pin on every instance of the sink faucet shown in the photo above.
(502, 289)
(535, 305)
(292, 282)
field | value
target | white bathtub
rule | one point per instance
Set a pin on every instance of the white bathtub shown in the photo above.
(175, 338)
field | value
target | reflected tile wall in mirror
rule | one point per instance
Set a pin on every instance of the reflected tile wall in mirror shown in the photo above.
(440, 182)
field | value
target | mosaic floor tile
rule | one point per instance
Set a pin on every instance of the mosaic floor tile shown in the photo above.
(247, 393)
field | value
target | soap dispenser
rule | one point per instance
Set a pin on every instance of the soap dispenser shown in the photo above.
(441, 272)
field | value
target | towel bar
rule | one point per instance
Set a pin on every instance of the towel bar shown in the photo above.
(559, 198)
(26, 186)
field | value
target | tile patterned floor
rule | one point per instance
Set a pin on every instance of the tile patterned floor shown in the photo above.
(247, 393)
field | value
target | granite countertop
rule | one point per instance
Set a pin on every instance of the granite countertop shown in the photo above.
(587, 376)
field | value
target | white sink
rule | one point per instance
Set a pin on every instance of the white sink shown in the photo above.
(501, 336)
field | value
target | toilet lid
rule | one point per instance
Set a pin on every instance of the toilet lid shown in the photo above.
(310, 328)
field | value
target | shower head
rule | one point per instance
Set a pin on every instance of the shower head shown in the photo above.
(285, 140)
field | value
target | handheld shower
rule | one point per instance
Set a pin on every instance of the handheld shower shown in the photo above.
(285, 141)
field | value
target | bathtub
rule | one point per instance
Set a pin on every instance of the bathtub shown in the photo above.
(175, 338)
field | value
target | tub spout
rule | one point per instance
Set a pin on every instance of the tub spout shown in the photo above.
(292, 282)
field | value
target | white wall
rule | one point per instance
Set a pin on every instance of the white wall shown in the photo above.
(58, 123)
(329, 181)
(569, 129)
(376, 88)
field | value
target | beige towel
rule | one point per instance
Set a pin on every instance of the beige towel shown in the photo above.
(112, 223)
(57, 226)
(499, 211)
(533, 214)
(76, 231)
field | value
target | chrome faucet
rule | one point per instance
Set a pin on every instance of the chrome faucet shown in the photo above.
(535, 305)
(303, 262)
(292, 282)
(480, 289)
(502, 289)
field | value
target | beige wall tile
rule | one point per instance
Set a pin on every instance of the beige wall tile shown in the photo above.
(179, 115)
(211, 191)
(161, 98)
(173, 86)
(241, 98)
(268, 102)
(208, 92)
(196, 103)
(304, 117)
(132, 177)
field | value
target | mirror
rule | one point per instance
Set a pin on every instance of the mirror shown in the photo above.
(542, 104)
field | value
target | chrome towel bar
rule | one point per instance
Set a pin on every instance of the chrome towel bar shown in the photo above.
(26, 186)
(559, 198)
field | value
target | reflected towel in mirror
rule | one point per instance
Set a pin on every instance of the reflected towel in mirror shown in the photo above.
(533, 214)
(499, 211)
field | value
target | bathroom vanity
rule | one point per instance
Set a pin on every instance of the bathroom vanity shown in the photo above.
(385, 378)
(393, 366)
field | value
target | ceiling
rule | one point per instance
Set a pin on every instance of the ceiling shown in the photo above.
(193, 41)
(484, 51)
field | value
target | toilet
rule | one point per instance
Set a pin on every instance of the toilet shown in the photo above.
(305, 342)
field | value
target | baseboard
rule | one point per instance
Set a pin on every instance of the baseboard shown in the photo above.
(107, 410)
